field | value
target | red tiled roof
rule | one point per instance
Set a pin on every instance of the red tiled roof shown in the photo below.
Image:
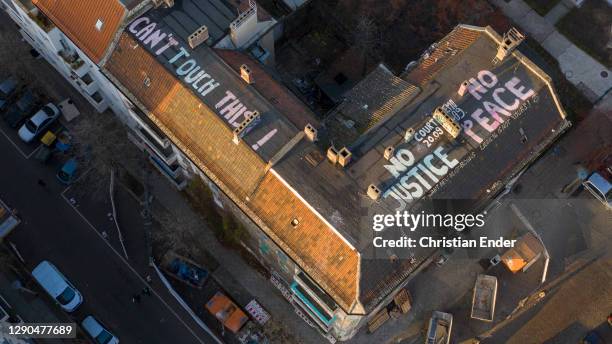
(451, 45)
(202, 136)
(78, 18)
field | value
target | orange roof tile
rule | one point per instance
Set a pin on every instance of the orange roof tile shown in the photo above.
(452, 44)
(201, 134)
(191, 125)
(78, 18)
(321, 252)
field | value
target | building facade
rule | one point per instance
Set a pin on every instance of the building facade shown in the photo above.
(306, 190)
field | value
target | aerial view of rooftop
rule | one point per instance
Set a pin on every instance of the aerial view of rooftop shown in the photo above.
(305, 171)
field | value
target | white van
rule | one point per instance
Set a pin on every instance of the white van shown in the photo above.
(57, 285)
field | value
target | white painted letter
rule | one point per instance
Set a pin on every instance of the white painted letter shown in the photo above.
(484, 121)
(520, 90)
(137, 22)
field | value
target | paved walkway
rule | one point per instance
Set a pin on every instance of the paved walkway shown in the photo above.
(234, 270)
(579, 68)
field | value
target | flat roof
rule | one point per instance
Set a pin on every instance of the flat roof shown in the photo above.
(431, 171)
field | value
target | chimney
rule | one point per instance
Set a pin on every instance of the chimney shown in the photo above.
(198, 37)
(373, 192)
(311, 132)
(389, 152)
(157, 3)
(409, 134)
(344, 156)
(245, 74)
(332, 155)
(511, 40)
(243, 28)
(238, 132)
(463, 88)
(449, 124)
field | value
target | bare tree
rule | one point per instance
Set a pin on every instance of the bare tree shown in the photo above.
(368, 40)
(178, 231)
(101, 142)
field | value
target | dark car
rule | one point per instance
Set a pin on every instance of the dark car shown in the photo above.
(21, 110)
(7, 91)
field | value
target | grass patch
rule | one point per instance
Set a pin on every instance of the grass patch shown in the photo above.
(542, 6)
(574, 102)
(588, 27)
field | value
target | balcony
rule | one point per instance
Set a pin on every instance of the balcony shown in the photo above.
(41, 20)
(173, 173)
(88, 84)
(164, 151)
(73, 60)
(145, 122)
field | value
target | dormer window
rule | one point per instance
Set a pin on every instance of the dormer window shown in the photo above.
(99, 24)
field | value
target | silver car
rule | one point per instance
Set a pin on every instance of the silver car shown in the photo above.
(39, 122)
(96, 331)
(600, 187)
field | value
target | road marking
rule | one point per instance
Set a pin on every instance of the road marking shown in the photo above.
(25, 156)
(130, 267)
(34, 151)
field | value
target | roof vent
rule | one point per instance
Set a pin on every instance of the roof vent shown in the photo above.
(332, 154)
(409, 134)
(245, 74)
(373, 192)
(239, 131)
(389, 152)
(198, 37)
(99, 24)
(157, 3)
(511, 40)
(344, 156)
(311, 132)
(447, 122)
(463, 88)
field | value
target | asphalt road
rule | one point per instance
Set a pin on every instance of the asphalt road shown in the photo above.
(54, 231)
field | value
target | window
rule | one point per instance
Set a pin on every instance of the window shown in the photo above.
(99, 25)
(48, 111)
(31, 126)
(66, 296)
(104, 337)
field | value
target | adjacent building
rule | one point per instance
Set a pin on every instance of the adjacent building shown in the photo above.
(447, 134)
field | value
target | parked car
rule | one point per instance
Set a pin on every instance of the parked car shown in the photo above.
(600, 187)
(8, 88)
(96, 331)
(57, 286)
(21, 110)
(39, 122)
(66, 174)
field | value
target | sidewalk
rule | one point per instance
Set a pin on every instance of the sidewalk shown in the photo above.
(30, 308)
(234, 274)
(579, 68)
